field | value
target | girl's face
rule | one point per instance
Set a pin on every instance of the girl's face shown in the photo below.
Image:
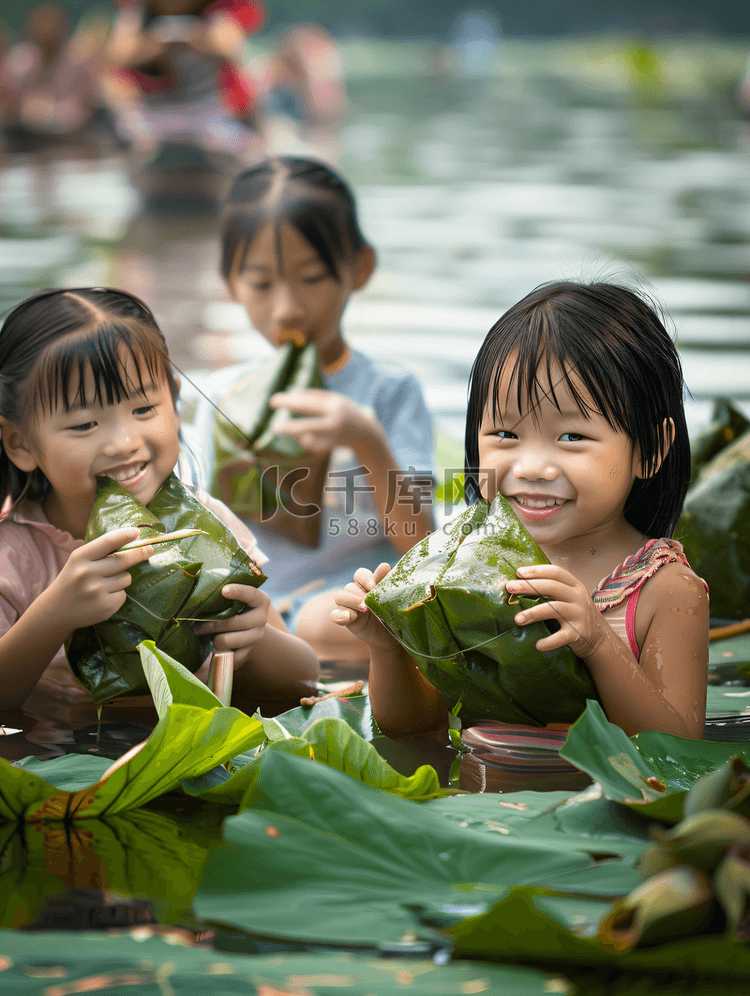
(134, 440)
(566, 475)
(293, 292)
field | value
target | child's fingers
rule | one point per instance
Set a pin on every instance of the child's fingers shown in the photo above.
(303, 401)
(344, 617)
(110, 542)
(350, 598)
(245, 593)
(364, 578)
(540, 587)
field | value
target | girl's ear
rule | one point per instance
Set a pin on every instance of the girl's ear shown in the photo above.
(667, 430)
(364, 265)
(16, 446)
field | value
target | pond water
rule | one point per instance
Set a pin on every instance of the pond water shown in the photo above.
(473, 191)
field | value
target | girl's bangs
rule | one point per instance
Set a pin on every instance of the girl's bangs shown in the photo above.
(60, 377)
(540, 359)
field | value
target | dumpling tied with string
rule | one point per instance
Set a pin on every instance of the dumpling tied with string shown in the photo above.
(445, 601)
(195, 555)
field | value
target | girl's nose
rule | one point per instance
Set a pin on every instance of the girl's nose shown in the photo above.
(287, 308)
(534, 464)
(123, 439)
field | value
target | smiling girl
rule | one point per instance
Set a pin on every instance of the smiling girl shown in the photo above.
(87, 391)
(576, 418)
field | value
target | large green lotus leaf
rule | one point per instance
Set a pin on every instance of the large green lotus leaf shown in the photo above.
(714, 528)
(170, 682)
(140, 854)
(318, 856)
(727, 424)
(446, 603)
(528, 926)
(581, 821)
(331, 742)
(354, 710)
(99, 962)
(630, 769)
(188, 741)
(180, 583)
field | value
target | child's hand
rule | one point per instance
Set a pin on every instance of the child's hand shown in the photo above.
(91, 586)
(354, 614)
(241, 633)
(331, 419)
(581, 625)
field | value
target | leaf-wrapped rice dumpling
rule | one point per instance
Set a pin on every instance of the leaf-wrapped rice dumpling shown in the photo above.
(255, 466)
(445, 602)
(178, 586)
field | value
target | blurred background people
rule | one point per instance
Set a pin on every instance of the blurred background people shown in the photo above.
(178, 75)
(50, 80)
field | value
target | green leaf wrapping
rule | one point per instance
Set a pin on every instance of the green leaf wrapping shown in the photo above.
(179, 585)
(247, 445)
(445, 602)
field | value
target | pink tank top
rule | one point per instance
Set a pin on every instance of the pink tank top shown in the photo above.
(618, 593)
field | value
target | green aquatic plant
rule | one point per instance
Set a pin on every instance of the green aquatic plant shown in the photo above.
(178, 586)
(445, 601)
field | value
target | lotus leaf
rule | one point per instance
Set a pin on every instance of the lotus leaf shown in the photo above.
(255, 466)
(445, 602)
(117, 963)
(650, 772)
(180, 584)
(715, 529)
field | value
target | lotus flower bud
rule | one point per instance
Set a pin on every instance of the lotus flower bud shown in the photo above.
(732, 889)
(699, 840)
(676, 903)
(724, 788)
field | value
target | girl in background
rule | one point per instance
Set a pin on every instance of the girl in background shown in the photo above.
(86, 390)
(576, 418)
(292, 254)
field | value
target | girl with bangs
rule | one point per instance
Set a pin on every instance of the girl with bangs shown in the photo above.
(576, 418)
(292, 254)
(87, 390)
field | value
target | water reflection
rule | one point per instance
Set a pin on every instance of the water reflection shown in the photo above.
(144, 854)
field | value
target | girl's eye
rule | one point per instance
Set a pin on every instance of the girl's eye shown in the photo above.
(505, 434)
(83, 427)
(572, 437)
(314, 278)
(260, 285)
(145, 410)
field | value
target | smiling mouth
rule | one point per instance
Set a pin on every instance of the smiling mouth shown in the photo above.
(539, 502)
(124, 474)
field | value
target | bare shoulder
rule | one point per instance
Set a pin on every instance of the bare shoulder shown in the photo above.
(674, 588)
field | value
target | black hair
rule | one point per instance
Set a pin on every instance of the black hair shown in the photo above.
(614, 343)
(303, 193)
(50, 340)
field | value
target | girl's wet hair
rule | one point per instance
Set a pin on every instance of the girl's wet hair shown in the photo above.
(613, 342)
(50, 340)
(300, 192)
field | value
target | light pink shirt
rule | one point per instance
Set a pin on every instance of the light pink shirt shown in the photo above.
(33, 552)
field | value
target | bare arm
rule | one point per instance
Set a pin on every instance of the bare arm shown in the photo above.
(402, 699)
(331, 420)
(89, 589)
(666, 688)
